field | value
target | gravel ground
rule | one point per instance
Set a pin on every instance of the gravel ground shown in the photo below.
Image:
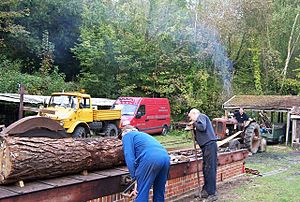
(222, 189)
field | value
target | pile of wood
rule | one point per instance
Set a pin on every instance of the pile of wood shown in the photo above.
(24, 158)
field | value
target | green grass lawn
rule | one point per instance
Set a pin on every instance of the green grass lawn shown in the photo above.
(176, 139)
(280, 167)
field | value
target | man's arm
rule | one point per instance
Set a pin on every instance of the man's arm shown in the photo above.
(128, 146)
(200, 124)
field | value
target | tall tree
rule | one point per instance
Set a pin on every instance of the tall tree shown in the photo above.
(9, 13)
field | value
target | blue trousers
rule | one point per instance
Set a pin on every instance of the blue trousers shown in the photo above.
(154, 170)
(210, 156)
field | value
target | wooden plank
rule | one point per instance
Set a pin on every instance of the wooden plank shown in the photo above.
(89, 177)
(220, 143)
(62, 181)
(111, 172)
(7, 193)
(28, 188)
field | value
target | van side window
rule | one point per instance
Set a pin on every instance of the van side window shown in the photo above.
(142, 110)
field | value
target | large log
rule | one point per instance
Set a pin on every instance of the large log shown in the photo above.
(23, 158)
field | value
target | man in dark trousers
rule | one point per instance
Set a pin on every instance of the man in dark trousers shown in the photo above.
(148, 162)
(206, 139)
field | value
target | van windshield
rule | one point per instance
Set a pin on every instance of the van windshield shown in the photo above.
(127, 110)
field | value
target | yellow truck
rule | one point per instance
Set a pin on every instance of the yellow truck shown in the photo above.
(74, 111)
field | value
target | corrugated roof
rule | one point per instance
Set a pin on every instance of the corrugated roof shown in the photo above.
(262, 102)
(295, 111)
(39, 99)
(32, 99)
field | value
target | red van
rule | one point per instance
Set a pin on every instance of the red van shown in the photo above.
(150, 115)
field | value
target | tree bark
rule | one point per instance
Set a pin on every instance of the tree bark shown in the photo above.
(23, 158)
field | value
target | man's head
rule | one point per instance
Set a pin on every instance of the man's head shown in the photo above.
(126, 129)
(193, 115)
(241, 110)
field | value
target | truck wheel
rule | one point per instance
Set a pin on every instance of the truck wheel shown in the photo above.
(111, 130)
(165, 130)
(79, 132)
(252, 137)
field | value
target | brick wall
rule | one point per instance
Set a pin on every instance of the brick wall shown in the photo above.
(183, 185)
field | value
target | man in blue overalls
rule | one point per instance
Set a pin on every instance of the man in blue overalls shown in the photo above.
(206, 139)
(148, 162)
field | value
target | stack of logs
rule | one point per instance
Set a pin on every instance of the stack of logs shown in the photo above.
(24, 158)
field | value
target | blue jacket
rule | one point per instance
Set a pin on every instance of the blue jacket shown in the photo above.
(204, 130)
(137, 147)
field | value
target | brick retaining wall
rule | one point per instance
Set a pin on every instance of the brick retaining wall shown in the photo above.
(182, 185)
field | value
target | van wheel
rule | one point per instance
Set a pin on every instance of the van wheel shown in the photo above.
(111, 130)
(165, 130)
(79, 132)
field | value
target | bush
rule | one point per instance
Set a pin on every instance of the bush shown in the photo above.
(11, 77)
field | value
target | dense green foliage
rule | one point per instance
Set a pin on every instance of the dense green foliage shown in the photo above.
(197, 54)
(36, 83)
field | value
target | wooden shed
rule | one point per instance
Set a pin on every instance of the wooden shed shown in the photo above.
(271, 103)
(295, 117)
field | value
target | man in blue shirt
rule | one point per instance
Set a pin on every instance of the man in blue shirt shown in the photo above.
(148, 162)
(206, 138)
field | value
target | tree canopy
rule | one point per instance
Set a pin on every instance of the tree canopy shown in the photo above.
(196, 53)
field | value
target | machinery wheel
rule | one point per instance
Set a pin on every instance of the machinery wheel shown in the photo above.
(165, 130)
(263, 145)
(111, 130)
(252, 137)
(79, 132)
(36, 126)
(234, 144)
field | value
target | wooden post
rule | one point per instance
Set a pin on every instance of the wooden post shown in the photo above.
(21, 105)
(226, 114)
(287, 128)
(294, 130)
(197, 162)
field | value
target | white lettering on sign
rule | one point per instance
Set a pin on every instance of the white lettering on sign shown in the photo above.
(158, 117)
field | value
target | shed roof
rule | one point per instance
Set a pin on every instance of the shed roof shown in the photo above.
(262, 102)
(39, 99)
(295, 110)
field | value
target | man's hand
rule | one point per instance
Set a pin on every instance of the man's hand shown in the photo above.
(134, 192)
(191, 123)
(190, 126)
